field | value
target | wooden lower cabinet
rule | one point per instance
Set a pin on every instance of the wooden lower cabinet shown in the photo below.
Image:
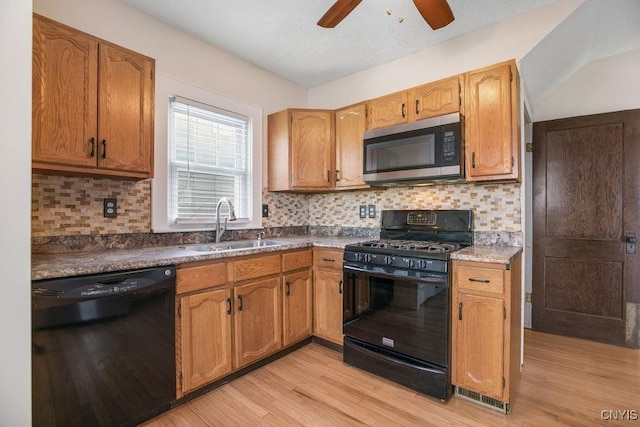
(328, 289)
(258, 327)
(486, 328)
(297, 306)
(232, 313)
(205, 341)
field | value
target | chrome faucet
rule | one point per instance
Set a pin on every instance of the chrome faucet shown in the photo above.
(232, 217)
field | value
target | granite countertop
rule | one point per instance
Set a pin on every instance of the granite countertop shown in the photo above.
(75, 263)
(480, 253)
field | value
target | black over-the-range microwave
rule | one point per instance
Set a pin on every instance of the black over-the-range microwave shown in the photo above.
(417, 152)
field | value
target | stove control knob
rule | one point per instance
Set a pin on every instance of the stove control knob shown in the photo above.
(410, 263)
(368, 258)
(388, 260)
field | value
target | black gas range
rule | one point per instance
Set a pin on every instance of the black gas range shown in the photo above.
(396, 298)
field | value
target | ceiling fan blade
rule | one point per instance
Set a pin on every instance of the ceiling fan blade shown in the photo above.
(437, 13)
(337, 13)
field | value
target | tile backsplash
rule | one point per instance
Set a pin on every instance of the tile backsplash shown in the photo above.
(496, 207)
(62, 205)
(68, 206)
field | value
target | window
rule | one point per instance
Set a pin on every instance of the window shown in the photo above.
(164, 190)
(209, 158)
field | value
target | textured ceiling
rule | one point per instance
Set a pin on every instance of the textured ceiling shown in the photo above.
(282, 36)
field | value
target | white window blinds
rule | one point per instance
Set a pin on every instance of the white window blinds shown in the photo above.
(210, 154)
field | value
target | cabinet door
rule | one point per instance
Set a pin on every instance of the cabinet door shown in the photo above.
(125, 110)
(64, 82)
(491, 134)
(205, 337)
(388, 110)
(351, 123)
(328, 288)
(478, 334)
(435, 99)
(297, 307)
(312, 149)
(258, 320)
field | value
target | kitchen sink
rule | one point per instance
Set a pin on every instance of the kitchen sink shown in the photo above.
(231, 246)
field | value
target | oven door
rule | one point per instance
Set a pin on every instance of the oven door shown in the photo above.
(403, 314)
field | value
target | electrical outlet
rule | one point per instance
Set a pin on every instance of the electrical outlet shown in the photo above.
(110, 208)
(372, 211)
(265, 211)
(363, 211)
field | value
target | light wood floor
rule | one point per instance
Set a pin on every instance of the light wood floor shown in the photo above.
(565, 381)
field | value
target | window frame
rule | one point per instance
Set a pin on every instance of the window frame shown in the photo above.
(167, 87)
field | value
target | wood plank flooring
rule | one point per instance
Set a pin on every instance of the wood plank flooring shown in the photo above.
(565, 381)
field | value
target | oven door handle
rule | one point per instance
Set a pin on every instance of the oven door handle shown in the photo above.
(434, 280)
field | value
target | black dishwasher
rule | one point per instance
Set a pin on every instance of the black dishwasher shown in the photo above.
(103, 348)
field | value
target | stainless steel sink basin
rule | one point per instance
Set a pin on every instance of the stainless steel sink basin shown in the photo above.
(231, 246)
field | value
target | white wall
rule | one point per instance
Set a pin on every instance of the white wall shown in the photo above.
(15, 224)
(606, 85)
(506, 40)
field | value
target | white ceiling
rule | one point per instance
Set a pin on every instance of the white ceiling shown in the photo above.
(282, 36)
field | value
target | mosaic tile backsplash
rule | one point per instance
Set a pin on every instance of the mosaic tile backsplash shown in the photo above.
(496, 207)
(69, 206)
(72, 206)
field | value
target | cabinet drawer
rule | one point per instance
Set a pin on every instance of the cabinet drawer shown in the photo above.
(328, 258)
(481, 278)
(296, 260)
(202, 277)
(251, 268)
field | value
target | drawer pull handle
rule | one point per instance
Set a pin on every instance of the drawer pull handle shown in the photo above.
(328, 260)
(239, 302)
(287, 291)
(460, 311)
(228, 305)
(471, 279)
(93, 147)
(340, 287)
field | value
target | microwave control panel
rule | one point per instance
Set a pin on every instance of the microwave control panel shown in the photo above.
(450, 148)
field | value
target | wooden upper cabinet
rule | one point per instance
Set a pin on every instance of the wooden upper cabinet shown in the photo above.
(125, 121)
(491, 123)
(351, 123)
(93, 105)
(64, 95)
(435, 99)
(388, 110)
(301, 150)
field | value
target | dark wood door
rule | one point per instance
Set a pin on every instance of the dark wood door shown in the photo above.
(586, 180)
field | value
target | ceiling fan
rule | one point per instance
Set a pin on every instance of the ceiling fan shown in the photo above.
(437, 13)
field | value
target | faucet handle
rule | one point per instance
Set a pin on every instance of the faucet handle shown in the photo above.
(260, 235)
